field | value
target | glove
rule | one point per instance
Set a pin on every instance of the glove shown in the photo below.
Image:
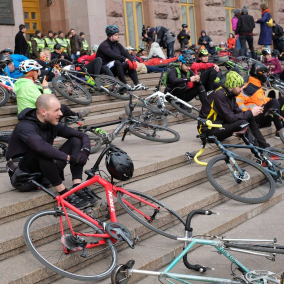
(132, 65)
(80, 159)
(190, 85)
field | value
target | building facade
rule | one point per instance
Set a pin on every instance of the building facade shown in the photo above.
(92, 16)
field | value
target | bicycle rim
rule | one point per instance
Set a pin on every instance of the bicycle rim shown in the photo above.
(148, 114)
(192, 112)
(253, 185)
(4, 96)
(154, 133)
(166, 222)
(71, 90)
(43, 238)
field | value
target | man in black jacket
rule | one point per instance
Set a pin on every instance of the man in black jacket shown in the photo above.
(165, 39)
(204, 40)
(21, 45)
(245, 28)
(184, 36)
(32, 140)
(277, 32)
(118, 59)
(221, 108)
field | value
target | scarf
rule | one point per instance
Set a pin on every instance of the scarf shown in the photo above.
(266, 10)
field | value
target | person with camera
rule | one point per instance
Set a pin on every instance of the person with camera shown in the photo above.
(184, 36)
(165, 39)
(32, 140)
(147, 35)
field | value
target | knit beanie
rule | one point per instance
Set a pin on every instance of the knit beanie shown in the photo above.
(245, 9)
(237, 11)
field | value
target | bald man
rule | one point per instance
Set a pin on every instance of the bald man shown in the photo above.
(32, 140)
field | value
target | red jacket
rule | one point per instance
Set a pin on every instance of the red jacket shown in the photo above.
(196, 66)
(277, 68)
(231, 43)
(157, 61)
(88, 58)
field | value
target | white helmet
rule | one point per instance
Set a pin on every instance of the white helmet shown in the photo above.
(95, 47)
(29, 65)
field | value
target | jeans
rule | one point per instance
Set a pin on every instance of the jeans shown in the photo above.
(155, 69)
(249, 40)
(170, 49)
(74, 56)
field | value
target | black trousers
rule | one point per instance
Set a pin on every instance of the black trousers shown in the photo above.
(189, 94)
(120, 68)
(208, 77)
(53, 169)
(229, 128)
(66, 111)
(249, 40)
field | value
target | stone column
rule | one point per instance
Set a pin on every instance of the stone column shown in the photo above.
(199, 17)
(148, 11)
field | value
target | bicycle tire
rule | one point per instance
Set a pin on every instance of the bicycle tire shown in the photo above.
(113, 86)
(259, 247)
(67, 91)
(185, 112)
(170, 217)
(147, 114)
(4, 96)
(95, 143)
(214, 170)
(148, 132)
(281, 134)
(50, 232)
(3, 162)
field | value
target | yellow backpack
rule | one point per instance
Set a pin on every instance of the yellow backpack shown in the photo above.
(270, 23)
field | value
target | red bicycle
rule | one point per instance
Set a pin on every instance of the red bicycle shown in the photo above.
(76, 245)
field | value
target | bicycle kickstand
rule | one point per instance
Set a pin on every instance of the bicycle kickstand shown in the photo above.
(190, 157)
(124, 133)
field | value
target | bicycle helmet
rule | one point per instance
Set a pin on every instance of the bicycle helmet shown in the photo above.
(258, 70)
(57, 46)
(203, 52)
(29, 65)
(95, 48)
(9, 50)
(275, 52)
(266, 51)
(186, 58)
(111, 30)
(221, 43)
(119, 165)
(188, 51)
(5, 59)
(184, 26)
(233, 80)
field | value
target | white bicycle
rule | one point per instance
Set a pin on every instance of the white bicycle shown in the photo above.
(6, 88)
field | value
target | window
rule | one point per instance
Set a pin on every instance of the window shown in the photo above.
(31, 16)
(229, 8)
(188, 17)
(133, 10)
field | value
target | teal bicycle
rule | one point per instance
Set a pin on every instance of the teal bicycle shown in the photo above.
(267, 248)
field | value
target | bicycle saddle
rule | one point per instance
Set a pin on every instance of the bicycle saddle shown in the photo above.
(241, 132)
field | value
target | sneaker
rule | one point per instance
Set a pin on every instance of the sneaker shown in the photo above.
(87, 195)
(83, 113)
(139, 87)
(277, 134)
(77, 202)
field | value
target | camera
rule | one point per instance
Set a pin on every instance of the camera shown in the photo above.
(144, 31)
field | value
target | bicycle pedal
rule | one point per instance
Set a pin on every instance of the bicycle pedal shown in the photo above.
(190, 157)
(136, 240)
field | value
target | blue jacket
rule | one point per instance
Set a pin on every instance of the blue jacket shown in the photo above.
(265, 37)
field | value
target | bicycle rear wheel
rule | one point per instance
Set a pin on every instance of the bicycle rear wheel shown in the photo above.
(148, 113)
(163, 221)
(4, 96)
(253, 185)
(270, 248)
(72, 91)
(113, 87)
(192, 112)
(154, 133)
(43, 237)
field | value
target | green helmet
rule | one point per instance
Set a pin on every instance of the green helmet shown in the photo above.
(203, 52)
(233, 80)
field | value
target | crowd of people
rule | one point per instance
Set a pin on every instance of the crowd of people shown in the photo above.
(224, 98)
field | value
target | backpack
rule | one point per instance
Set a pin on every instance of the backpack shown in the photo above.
(178, 73)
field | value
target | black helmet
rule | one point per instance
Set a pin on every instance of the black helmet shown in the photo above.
(266, 51)
(111, 30)
(5, 59)
(9, 50)
(257, 70)
(275, 52)
(184, 26)
(119, 165)
(57, 46)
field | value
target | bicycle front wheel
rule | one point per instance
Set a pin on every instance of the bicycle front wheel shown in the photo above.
(71, 90)
(42, 233)
(148, 114)
(154, 133)
(192, 112)
(4, 96)
(270, 248)
(253, 184)
(159, 218)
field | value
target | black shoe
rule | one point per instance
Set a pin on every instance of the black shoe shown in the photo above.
(77, 202)
(87, 195)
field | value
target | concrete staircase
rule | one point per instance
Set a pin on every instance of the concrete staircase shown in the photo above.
(162, 171)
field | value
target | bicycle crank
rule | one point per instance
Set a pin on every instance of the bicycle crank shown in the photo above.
(119, 232)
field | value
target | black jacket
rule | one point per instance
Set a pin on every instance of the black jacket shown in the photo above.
(204, 38)
(109, 51)
(221, 107)
(31, 134)
(183, 37)
(245, 24)
(280, 44)
(55, 55)
(21, 45)
(278, 31)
